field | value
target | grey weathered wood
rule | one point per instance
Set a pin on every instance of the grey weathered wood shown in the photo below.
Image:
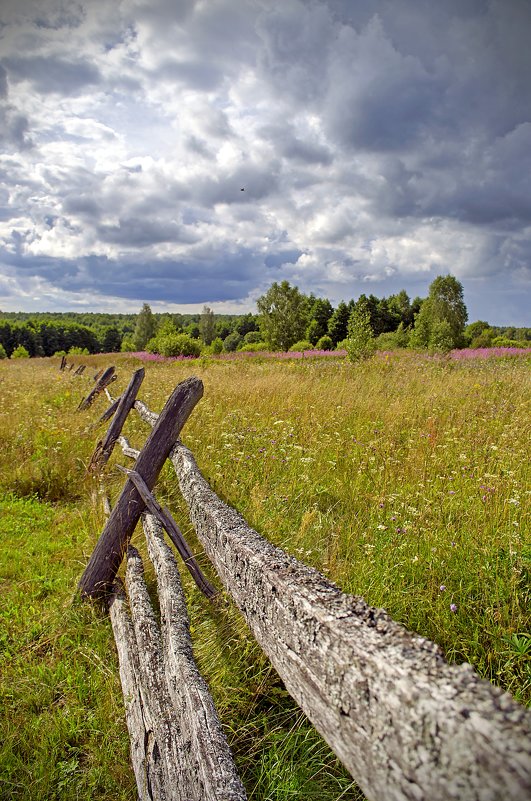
(106, 378)
(406, 724)
(173, 530)
(209, 771)
(105, 446)
(145, 754)
(158, 710)
(80, 370)
(110, 548)
(133, 453)
(63, 363)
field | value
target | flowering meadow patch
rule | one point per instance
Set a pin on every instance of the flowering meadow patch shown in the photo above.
(456, 355)
(486, 353)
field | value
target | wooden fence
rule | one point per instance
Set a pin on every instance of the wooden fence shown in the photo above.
(405, 723)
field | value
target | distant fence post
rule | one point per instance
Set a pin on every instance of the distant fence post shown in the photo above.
(103, 565)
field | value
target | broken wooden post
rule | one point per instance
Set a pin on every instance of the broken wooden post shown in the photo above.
(106, 378)
(103, 565)
(166, 520)
(105, 447)
(108, 413)
(63, 363)
(80, 370)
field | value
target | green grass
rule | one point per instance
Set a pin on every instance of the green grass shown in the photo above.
(396, 477)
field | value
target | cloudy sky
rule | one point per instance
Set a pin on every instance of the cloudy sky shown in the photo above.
(379, 143)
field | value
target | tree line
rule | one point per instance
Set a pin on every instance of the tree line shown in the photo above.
(286, 319)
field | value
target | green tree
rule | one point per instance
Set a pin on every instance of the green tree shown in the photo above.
(207, 325)
(319, 312)
(3, 354)
(360, 339)
(111, 340)
(444, 304)
(283, 315)
(338, 323)
(400, 307)
(145, 327)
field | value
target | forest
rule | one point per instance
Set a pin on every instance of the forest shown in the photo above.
(287, 319)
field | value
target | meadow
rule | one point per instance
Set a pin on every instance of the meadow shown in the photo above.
(403, 478)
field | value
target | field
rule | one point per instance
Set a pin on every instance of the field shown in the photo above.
(404, 479)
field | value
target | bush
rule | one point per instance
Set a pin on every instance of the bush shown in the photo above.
(251, 338)
(253, 347)
(60, 353)
(20, 353)
(3, 354)
(392, 339)
(325, 343)
(78, 351)
(230, 343)
(128, 345)
(342, 345)
(172, 344)
(505, 342)
(216, 346)
(301, 346)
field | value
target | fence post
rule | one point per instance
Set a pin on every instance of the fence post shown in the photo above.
(106, 378)
(103, 565)
(104, 447)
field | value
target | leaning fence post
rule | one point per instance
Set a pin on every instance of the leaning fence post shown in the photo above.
(103, 565)
(103, 381)
(104, 447)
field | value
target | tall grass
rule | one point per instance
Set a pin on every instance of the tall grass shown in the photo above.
(404, 479)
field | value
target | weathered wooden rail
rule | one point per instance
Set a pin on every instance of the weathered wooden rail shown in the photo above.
(405, 723)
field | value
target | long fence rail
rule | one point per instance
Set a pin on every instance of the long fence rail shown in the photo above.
(406, 724)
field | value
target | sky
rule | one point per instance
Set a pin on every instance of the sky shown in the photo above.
(192, 152)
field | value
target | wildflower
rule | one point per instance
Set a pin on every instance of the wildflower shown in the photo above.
(453, 608)
(442, 588)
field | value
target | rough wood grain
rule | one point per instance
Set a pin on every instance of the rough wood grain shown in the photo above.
(104, 448)
(110, 548)
(159, 713)
(166, 520)
(407, 725)
(209, 771)
(145, 754)
(106, 378)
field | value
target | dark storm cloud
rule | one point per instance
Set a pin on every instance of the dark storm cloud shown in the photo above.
(139, 232)
(53, 74)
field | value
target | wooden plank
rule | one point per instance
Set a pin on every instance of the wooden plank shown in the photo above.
(174, 532)
(108, 413)
(162, 722)
(145, 756)
(103, 381)
(209, 771)
(103, 565)
(105, 447)
(406, 724)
